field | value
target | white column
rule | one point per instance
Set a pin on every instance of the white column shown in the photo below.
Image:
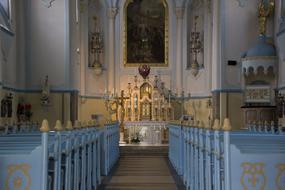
(179, 65)
(216, 49)
(112, 12)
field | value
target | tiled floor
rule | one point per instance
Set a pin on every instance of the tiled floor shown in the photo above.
(142, 173)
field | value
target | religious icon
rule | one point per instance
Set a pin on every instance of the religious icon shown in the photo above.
(146, 33)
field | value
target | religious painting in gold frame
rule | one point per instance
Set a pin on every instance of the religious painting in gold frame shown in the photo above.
(146, 33)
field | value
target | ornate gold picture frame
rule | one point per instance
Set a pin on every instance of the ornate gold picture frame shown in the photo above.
(145, 33)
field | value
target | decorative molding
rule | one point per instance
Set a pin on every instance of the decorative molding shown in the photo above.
(229, 90)
(36, 90)
(241, 3)
(48, 3)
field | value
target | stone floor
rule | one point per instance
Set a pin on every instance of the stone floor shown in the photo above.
(142, 172)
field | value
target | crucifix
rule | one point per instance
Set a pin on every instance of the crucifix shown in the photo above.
(121, 101)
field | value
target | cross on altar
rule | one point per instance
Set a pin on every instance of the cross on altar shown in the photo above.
(121, 101)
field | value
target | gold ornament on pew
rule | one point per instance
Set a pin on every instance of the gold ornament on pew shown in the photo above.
(86, 124)
(90, 123)
(69, 125)
(207, 127)
(45, 126)
(83, 124)
(58, 126)
(216, 125)
(194, 123)
(227, 125)
(77, 124)
(201, 124)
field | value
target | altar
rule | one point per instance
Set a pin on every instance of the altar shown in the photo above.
(143, 110)
(146, 132)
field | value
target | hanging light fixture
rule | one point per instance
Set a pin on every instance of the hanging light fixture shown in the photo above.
(196, 47)
(96, 48)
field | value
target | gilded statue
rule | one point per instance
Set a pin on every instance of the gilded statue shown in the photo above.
(264, 12)
(121, 102)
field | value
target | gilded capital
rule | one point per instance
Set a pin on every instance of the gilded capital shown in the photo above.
(179, 12)
(112, 12)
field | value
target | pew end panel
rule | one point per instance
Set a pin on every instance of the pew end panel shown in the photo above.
(256, 162)
(21, 171)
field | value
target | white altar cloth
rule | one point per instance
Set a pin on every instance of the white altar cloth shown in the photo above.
(149, 132)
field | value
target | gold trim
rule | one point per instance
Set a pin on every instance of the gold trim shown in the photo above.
(166, 39)
(253, 169)
(281, 171)
(17, 180)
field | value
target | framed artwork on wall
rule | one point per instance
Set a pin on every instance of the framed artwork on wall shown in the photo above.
(146, 33)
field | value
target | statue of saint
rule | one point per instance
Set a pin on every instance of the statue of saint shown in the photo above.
(45, 92)
(264, 13)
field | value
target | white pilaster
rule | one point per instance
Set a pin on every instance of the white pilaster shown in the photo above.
(179, 72)
(216, 46)
(111, 13)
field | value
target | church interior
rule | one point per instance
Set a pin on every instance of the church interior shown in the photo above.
(142, 94)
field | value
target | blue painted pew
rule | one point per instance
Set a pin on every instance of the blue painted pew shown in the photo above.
(62, 159)
(221, 159)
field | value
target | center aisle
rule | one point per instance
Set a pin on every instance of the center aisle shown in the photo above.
(142, 172)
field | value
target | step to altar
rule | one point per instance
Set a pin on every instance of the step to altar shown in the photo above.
(143, 150)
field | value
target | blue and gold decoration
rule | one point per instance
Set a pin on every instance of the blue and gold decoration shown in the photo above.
(280, 178)
(18, 177)
(253, 176)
